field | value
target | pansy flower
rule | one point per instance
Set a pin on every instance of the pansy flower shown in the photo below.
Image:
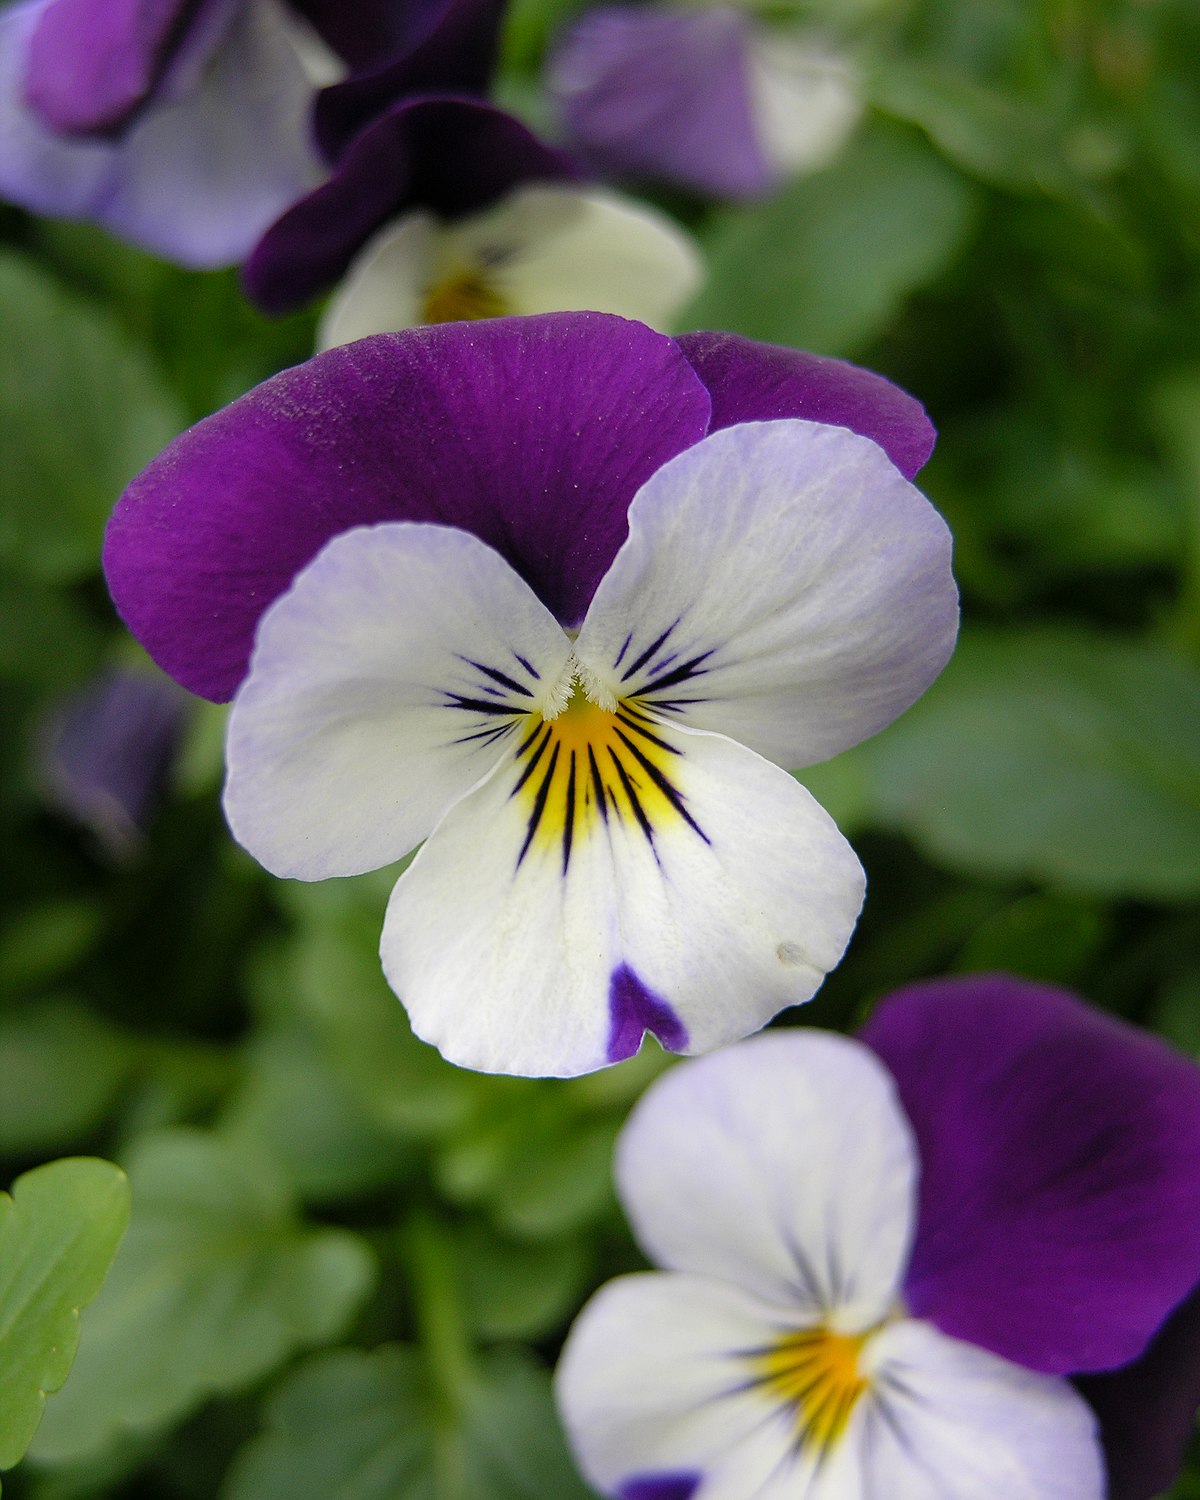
(885, 1256)
(185, 126)
(448, 208)
(707, 97)
(552, 596)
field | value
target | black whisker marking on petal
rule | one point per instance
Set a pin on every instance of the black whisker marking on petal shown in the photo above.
(664, 786)
(569, 818)
(686, 670)
(529, 667)
(538, 727)
(639, 728)
(480, 705)
(533, 760)
(496, 675)
(640, 661)
(539, 804)
(598, 783)
(496, 732)
(622, 651)
(635, 801)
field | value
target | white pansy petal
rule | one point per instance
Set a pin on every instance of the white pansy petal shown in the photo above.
(392, 675)
(805, 99)
(612, 878)
(785, 1165)
(653, 1381)
(946, 1418)
(384, 287)
(782, 583)
(556, 248)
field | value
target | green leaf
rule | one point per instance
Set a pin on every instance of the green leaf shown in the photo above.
(369, 1427)
(217, 1284)
(58, 1234)
(81, 411)
(1067, 758)
(826, 264)
(63, 1070)
(518, 1290)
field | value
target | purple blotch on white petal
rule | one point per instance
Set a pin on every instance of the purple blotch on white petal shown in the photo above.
(660, 1487)
(635, 1010)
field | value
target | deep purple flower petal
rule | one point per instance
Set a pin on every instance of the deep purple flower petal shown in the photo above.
(659, 93)
(449, 155)
(1147, 1410)
(1059, 1217)
(533, 433)
(104, 752)
(661, 1487)
(369, 32)
(753, 382)
(449, 47)
(92, 63)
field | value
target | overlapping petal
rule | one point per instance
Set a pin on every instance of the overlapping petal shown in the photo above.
(783, 584)
(1059, 1221)
(451, 156)
(533, 435)
(382, 687)
(785, 1166)
(666, 881)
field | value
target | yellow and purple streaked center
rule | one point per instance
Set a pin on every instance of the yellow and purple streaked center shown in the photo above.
(591, 766)
(462, 297)
(817, 1374)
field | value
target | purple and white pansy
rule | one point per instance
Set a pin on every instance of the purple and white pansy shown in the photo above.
(705, 96)
(561, 597)
(884, 1257)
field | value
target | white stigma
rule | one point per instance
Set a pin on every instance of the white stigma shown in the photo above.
(576, 677)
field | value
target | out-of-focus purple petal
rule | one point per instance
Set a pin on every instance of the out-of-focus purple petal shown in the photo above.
(533, 433)
(664, 94)
(753, 382)
(105, 750)
(661, 1487)
(368, 32)
(449, 155)
(92, 63)
(1059, 1218)
(1147, 1410)
(450, 48)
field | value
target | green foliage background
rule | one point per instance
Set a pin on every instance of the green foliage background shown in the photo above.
(349, 1265)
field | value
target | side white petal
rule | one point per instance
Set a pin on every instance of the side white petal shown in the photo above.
(554, 248)
(383, 685)
(782, 583)
(653, 1379)
(945, 1418)
(785, 1165)
(517, 948)
(384, 287)
(805, 99)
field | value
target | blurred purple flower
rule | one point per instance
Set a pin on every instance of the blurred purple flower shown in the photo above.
(884, 1259)
(706, 97)
(105, 751)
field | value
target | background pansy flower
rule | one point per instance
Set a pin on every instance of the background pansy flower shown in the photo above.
(883, 1257)
(445, 209)
(704, 96)
(565, 616)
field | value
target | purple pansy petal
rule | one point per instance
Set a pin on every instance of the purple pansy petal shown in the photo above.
(450, 48)
(660, 93)
(534, 434)
(1059, 1218)
(105, 750)
(753, 382)
(368, 32)
(661, 1487)
(1147, 1410)
(93, 62)
(635, 1010)
(449, 155)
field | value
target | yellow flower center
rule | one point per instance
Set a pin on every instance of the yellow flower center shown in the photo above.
(817, 1373)
(462, 297)
(589, 766)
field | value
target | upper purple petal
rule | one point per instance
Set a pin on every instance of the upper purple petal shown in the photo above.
(1147, 1410)
(661, 93)
(1059, 1218)
(369, 32)
(752, 382)
(448, 47)
(92, 63)
(533, 433)
(448, 155)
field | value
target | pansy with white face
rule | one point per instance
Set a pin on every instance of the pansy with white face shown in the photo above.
(865, 1297)
(577, 671)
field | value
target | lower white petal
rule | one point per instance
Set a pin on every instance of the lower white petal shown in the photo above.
(385, 286)
(613, 878)
(945, 1418)
(384, 684)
